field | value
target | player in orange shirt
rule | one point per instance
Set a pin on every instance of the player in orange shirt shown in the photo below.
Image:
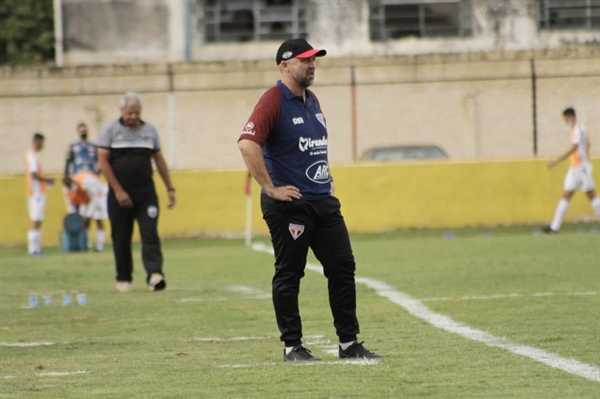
(579, 175)
(86, 191)
(36, 194)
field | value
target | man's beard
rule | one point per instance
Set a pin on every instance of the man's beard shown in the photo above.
(304, 82)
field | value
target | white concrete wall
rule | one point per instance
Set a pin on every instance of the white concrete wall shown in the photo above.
(475, 106)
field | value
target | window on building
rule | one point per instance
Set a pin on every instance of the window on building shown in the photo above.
(569, 14)
(255, 20)
(395, 19)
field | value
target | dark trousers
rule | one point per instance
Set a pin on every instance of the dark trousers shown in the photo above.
(145, 210)
(295, 227)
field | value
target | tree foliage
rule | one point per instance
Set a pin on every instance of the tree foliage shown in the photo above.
(26, 31)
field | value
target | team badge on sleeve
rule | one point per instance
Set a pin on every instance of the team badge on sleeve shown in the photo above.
(296, 230)
(249, 129)
(321, 118)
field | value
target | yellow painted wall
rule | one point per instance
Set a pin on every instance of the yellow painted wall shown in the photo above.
(454, 194)
(374, 198)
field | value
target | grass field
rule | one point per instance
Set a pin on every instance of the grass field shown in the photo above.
(212, 334)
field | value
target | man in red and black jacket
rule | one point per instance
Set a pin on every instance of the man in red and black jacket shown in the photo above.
(284, 145)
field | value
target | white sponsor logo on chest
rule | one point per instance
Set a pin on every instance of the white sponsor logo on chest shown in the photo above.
(298, 120)
(318, 172)
(304, 143)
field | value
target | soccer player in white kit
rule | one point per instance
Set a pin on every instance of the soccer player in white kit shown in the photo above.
(83, 156)
(579, 175)
(36, 194)
(87, 192)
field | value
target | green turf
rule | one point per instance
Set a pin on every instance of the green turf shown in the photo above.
(142, 345)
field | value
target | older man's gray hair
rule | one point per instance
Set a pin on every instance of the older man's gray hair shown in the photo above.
(130, 98)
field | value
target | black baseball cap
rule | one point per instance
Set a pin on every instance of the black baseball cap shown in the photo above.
(297, 48)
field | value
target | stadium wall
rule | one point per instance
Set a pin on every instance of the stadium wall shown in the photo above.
(374, 198)
(476, 106)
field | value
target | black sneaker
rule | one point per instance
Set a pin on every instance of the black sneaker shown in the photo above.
(299, 354)
(357, 350)
(156, 282)
(549, 230)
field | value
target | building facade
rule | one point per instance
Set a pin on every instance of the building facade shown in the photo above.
(140, 31)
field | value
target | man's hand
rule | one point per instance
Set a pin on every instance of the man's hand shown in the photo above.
(285, 193)
(172, 199)
(552, 164)
(124, 199)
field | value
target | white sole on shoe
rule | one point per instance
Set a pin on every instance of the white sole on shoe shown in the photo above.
(155, 280)
(123, 286)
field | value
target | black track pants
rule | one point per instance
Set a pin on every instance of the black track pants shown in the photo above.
(145, 210)
(295, 227)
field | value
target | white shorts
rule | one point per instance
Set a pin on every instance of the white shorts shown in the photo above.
(36, 204)
(97, 208)
(580, 178)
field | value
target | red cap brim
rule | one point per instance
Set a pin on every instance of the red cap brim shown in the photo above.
(312, 53)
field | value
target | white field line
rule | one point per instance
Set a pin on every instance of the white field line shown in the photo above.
(322, 343)
(416, 308)
(49, 374)
(514, 295)
(243, 289)
(61, 373)
(26, 344)
(251, 293)
(217, 339)
(200, 299)
(349, 362)
(247, 292)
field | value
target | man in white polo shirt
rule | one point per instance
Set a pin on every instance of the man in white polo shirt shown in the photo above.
(36, 194)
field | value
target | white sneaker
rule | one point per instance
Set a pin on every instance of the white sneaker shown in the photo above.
(157, 282)
(123, 286)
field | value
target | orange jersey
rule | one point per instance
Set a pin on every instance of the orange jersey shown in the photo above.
(579, 138)
(77, 194)
(33, 165)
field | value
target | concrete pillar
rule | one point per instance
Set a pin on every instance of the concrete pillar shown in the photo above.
(470, 138)
(341, 26)
(177, 30)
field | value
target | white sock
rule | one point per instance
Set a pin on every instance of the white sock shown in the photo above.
(561, 209)
(346, 345)
(100, 239)
(31, 241)
(288, 349)
(596, 205)
(34, 241)
(38, 240)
